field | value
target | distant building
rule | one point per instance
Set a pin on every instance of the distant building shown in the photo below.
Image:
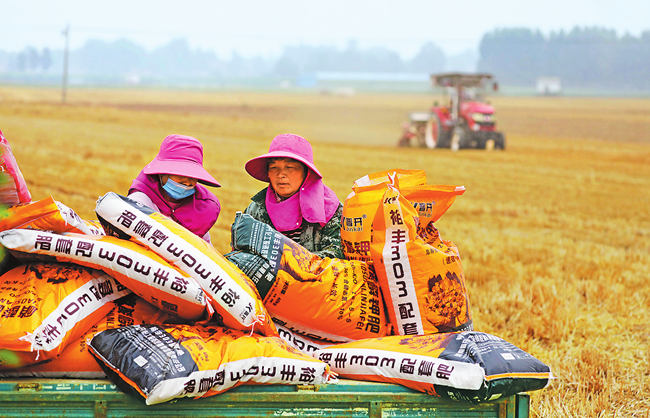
(371, 76)
(549, 86)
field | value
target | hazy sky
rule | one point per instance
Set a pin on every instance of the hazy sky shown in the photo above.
(263, 27)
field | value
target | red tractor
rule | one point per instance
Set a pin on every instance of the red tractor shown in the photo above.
(467, 121)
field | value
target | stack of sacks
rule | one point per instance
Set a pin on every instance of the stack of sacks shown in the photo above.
(175, 278)
(47, 305)
(388, 222)
(331, 315)
(166, 362)
(321, 298)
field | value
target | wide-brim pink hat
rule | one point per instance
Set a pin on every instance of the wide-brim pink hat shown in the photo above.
(283, 146)
(181, 155)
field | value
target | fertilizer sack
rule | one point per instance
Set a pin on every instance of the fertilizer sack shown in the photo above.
(303, 343)
(75, 361)
(46, 306)
(406, 178)
(166, 362)
(362, 205)
(359, 211)
(467, 366)
(136, 267)
(338, 300)
(430, 202)
(47, 215)
(13, 188)
(232, 295)
(423, 284)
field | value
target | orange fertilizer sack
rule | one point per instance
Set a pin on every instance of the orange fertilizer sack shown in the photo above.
(406, 178)
(304, 344)
(334, 299)
(47, 215)
(230, 292)
(361, 207)
(466, 366)
(359, 211)
(75, 361)
(136, 267)
(167, 362)
(430, 202)
(423, 284)
(46, 306)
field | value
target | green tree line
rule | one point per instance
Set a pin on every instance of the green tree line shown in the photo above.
(589, 57)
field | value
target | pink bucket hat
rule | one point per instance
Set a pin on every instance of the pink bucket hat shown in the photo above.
(182, 156)
(283, 146)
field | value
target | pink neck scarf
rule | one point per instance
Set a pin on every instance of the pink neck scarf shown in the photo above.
(314, 202)
(197, 213)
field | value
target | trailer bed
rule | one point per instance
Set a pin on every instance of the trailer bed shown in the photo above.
(348, 398)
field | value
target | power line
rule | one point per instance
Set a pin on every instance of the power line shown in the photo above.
(64, 82)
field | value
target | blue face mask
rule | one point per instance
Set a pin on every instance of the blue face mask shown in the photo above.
(178, 191)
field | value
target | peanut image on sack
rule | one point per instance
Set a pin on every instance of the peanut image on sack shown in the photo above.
(423, 284)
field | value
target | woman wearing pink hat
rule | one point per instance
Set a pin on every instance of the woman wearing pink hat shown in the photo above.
(296, 202)
(169, 184)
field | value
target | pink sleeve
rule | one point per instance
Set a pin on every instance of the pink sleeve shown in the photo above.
(13, 188)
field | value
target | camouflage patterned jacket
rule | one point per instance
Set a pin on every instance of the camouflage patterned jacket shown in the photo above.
(323, 241)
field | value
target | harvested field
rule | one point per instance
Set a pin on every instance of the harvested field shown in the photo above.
(554, 232)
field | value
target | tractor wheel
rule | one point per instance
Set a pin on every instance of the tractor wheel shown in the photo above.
(460, 138)
(444, 141)
(433, 132)
(500, 142)
(456, 135)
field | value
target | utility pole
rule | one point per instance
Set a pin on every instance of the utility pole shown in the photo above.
(64, 86)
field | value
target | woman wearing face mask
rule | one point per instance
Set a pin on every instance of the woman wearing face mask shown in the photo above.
(173, 184)
(296, 202)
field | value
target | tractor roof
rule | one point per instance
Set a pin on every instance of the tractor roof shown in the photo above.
(460, 79)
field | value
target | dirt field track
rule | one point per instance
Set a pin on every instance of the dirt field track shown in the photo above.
(554, 232)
